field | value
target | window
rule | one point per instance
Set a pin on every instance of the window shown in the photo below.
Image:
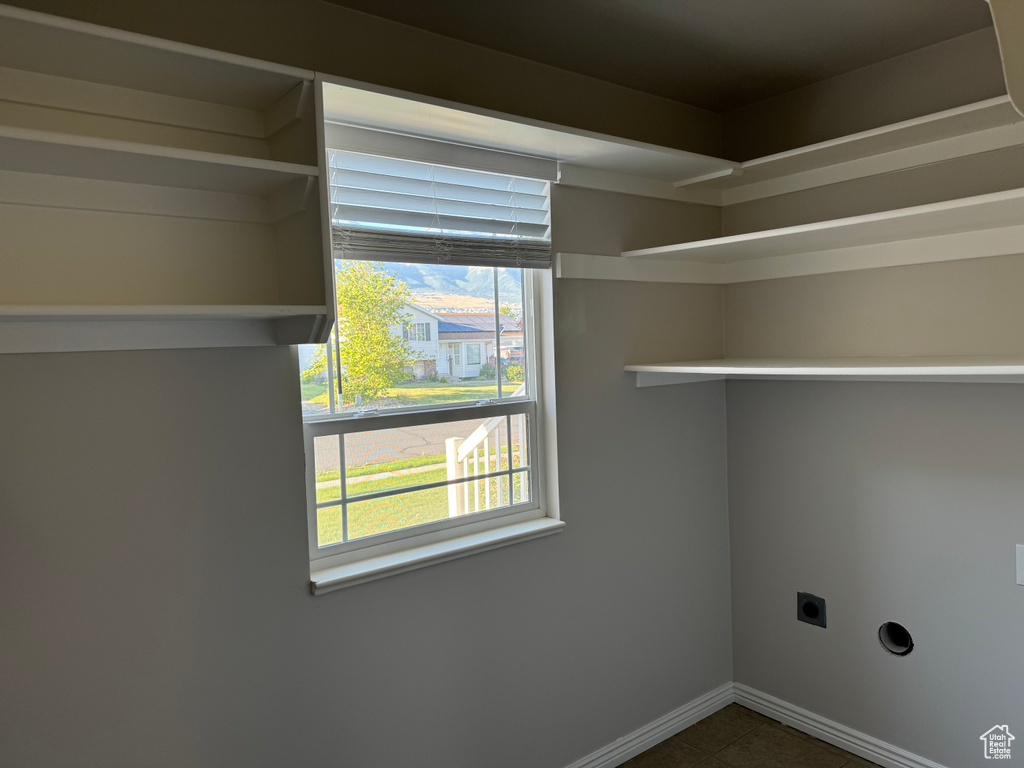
(417, 332)
(408, 453)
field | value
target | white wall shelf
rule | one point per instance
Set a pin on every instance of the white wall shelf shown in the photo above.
(980, 127)
(973, 227)
(41, 328)
(153, 193)
(937, 369)
(57, 154)
(97, 54)
(43, 312)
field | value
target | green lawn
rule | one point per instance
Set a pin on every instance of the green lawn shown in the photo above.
(407, 509)
(366, 518)
(313, 392)
(421, 392)
(327, 475)
(431, 392)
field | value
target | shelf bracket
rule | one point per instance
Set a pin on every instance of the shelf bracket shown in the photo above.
(724, 173)
(1008, 19)
(288, 108)
(290, 198)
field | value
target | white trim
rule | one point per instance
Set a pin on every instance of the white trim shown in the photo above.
(370, 569)
(360, 560)
(539, 352)
(647, 736)
(326, 230)
(829, 731)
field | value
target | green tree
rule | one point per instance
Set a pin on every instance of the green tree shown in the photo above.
(514, 372)
(317, 365)
(370, 302)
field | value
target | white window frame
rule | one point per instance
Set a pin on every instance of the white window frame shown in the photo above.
(373, 557)
(419, 332)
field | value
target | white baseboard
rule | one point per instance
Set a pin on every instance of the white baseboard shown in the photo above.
(858, 743)
(645, 737)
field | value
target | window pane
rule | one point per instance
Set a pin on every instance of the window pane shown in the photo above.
(386, 459)
(520, 440)
(329, 528)
(425, 334)
(520, 487)
(328, 468)
(314, 378)
(427, 505)
(513, 326)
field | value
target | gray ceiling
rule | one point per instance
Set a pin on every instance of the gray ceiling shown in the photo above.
(716, 54)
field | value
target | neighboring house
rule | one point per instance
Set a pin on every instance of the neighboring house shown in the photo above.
(458, 344)
(421, 333)
(466, 341)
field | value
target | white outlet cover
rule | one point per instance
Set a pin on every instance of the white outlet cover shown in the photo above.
(1020, 564)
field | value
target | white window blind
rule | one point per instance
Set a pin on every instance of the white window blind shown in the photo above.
(392, 209)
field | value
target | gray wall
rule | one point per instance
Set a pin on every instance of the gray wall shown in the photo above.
(153, 569)
(895, 502)
(153, 564)
(607, 223)
(942, 76)
(969, 307)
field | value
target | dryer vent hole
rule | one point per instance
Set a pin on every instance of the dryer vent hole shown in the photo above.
(895, 638)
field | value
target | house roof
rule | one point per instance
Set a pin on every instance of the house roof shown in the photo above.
(473, 325)
(424, 310)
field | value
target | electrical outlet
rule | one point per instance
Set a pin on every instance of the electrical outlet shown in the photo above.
(810, 609)
(1020, 564)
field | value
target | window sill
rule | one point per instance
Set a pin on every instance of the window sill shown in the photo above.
(377, 567)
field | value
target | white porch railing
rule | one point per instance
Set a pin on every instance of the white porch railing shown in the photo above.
(482, 454)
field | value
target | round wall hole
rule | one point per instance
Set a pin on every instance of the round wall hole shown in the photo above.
(810, 610)
(895, 638)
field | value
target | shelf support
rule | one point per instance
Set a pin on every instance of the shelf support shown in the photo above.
(288, 108)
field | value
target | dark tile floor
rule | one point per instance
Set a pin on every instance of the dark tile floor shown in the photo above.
(736, 737)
